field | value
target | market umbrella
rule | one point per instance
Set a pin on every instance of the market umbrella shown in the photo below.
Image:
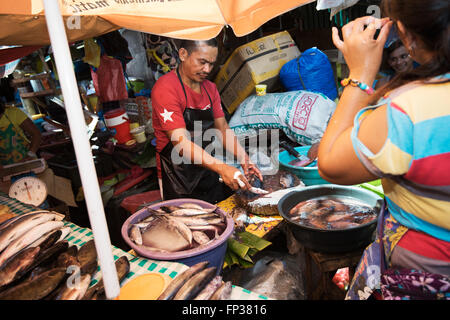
(194, 19)
(22, 22)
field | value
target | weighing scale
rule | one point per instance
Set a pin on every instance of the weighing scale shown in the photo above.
(25, 186)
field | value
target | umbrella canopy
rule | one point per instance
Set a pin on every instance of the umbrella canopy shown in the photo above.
(22, 22)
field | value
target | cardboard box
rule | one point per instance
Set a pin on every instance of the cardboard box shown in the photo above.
(256, 62)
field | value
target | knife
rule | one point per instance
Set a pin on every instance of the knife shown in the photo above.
(295, 153)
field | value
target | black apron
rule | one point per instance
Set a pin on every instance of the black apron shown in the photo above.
(191, 180)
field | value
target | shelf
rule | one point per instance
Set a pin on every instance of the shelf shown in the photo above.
(49, 92)
(34, 77)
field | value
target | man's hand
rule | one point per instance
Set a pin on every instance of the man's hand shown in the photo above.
(230, 175)
(250, 168)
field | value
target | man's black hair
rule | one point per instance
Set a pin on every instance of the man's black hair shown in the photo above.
(191, 45)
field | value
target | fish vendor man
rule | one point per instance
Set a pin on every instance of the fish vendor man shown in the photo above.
(185, 106)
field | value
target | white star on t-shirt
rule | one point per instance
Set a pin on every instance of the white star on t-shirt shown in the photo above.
(167, 115)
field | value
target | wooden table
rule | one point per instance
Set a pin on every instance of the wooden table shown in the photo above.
(328, 264)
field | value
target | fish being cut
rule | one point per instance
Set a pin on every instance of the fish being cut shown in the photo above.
(195, 284)
(29, 237)
(181, 279)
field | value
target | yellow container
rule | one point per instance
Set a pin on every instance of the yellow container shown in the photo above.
(261, 89)
(148, 286)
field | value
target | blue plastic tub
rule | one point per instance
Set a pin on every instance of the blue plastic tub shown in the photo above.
(214, 252)
(309, 174)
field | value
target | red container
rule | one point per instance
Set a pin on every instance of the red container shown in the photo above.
(118, 121)
(132, 203)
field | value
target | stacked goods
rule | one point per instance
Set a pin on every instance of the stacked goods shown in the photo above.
(37, 263)
(177, 228)
(256, 62)
(302, 115)
(199, 282)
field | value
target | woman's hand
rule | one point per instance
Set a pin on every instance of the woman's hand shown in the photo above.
(361, 51)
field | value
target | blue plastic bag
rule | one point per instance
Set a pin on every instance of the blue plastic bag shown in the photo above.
(312, 72)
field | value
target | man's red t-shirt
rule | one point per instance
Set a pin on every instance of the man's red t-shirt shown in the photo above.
(169, 102)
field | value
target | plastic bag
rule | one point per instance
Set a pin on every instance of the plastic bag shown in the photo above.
(334, 5)
(92, 53)
(312, 72)
(109, 80)
(303, 116)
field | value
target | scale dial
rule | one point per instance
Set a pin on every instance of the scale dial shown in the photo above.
(29, 190)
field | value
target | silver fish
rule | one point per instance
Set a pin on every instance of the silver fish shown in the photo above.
(181, 279)
(192, 221)
(209, 290)
(195, 284)
(17, 229)
(29, 237)
(189, 212)
(135, 235)
(164, 235)
(189, 205)
(181, 228)
(200, 237)
(223, 293)
(75, 292)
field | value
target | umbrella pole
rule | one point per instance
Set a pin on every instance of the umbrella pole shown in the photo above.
(86, 167)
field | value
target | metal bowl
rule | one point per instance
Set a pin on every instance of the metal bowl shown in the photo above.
(331, 241)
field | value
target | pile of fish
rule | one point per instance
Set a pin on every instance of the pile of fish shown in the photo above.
(177, 228)
(37, 263)
(199, 282)
(329, 214)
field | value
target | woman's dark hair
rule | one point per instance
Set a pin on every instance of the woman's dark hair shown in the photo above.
(191, 45)
(429, 22)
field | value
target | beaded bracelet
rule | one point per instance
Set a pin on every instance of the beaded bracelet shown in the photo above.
(355, 83)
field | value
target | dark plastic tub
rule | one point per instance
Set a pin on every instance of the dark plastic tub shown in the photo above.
(213, 252)
(331, 241)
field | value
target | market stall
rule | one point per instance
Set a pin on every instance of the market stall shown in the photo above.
(261, 219)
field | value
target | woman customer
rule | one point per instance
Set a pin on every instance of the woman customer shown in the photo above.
(399, 133)
(396, 60)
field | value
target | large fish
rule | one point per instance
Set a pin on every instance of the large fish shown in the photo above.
(29, 237)
(37, 288)
(18, 263)
(180, 227)
(15, 219)
(17, 229)
(164, 235)
(181, 279)
(209, 290)
(195, 284)
(46, 258)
